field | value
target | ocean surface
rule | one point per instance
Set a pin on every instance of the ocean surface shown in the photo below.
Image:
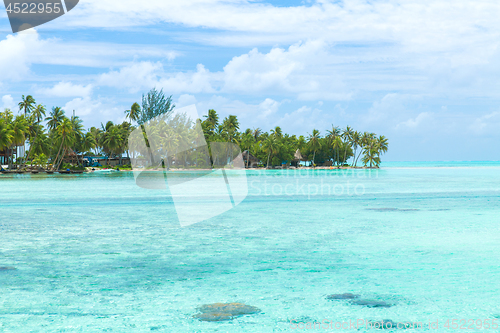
(97, 253)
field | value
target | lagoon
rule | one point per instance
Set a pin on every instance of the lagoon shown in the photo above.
(94, 252)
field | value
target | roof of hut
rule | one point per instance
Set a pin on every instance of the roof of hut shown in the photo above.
(298, 156)
(245, 155)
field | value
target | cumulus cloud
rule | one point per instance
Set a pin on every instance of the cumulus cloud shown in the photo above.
(199, 81)
(66, 89)
(145, 75)
(296, 71)
(267, 108)
(82, 106)
(423, 24)
(8, 102)
(185, 100)
(15, 55)
(20, 51)
(135, 77)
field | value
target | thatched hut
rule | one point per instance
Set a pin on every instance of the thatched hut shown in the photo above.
(72, 158)
(250, 160)
(297, 158)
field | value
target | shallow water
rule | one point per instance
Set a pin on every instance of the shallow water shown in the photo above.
(97, 253)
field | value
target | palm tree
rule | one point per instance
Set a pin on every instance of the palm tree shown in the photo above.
(96, 136)
(356, 143)
(371, 151)
(314, 143)
(19, 131)
(6, 135)
(55, 118)
(66, 135)
(35, 119)
(230, 127)
(212, 117)
(270, 146)
(78, 134)
(134, 112)
(113, 141)
(382, 144)
(246, 144)
(371, 156)
(27, 104)
(336, 144)
(347, 136)
(39, 113)
(256, 133)
(333, 135)
(41, 144)
(277, 132)
(88, 142)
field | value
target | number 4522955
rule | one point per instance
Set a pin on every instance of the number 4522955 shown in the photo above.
(33, 8)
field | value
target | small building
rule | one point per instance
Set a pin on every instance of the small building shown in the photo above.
(250, 160)
(297, 158)
(72, 158)
(112, 161)
(6, 154)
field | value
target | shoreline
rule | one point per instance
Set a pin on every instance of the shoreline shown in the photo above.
(91, 170)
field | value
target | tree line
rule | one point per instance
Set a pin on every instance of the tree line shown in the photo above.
(53, 135)
(276, 148)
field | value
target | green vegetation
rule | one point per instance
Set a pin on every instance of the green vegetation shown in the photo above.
(56, 141)
(276, 148)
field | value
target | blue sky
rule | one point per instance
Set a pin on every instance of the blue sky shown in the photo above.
(424, 73)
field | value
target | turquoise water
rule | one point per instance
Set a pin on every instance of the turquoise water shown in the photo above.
(96, 253)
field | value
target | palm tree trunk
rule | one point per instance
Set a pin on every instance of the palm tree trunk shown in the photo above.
(357, 158)
(10, 157)
(61, 159)
(168, 166)
(345, 154)
(314, 157)
(29, 153)
(269, 155)
(55, 160)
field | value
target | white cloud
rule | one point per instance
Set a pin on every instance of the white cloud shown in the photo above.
(297, 71)
(304, 119)
(185, 100)
(66, 89)
(145, 75)
(15, 59)
(486, 125)
(413, 123)
(199, 81)
(82, 106)
(8, 102)
(267, 108)
(20, 51)
(135, 77)
(423, 24)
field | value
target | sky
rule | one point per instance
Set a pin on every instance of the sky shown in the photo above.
(424, 73)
